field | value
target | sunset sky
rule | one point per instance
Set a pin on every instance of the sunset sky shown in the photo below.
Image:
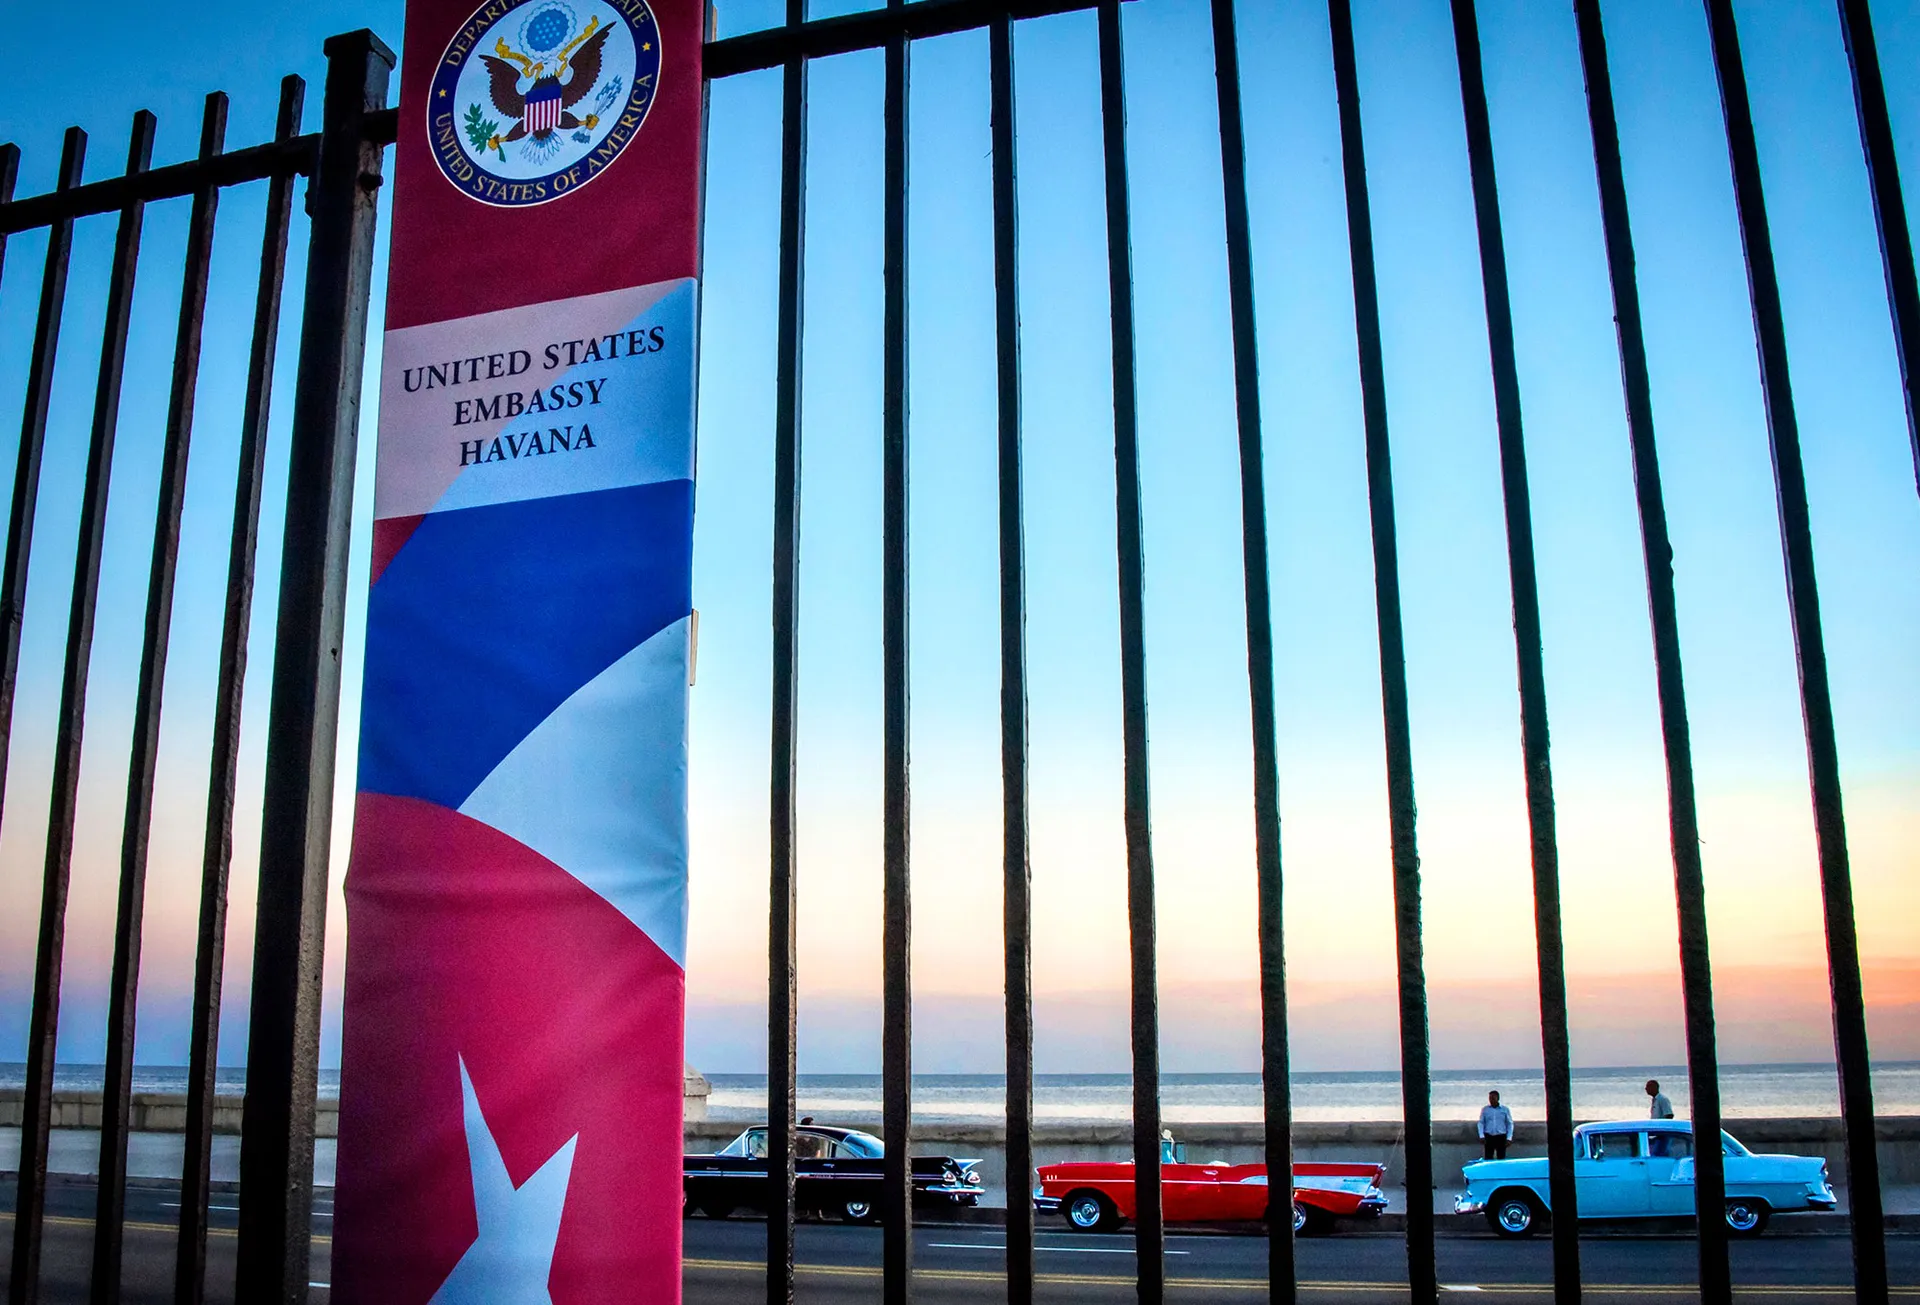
(1756, 826)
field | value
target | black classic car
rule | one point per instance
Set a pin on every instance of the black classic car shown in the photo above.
(837, 1173)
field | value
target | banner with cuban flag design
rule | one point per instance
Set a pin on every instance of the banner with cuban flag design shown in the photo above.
(511, 1077)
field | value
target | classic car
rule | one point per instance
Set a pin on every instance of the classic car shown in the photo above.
(1643, 1169)
(837, 1171)
(1096, 1196)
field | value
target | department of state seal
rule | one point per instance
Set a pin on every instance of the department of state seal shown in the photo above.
(535, 98)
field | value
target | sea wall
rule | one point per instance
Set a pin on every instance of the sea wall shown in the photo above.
(1454, 1144)
(166, 1112)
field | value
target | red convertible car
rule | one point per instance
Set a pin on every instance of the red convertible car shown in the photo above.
(1096, 1196)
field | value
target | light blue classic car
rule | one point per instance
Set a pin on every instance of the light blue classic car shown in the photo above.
(1643, 1169)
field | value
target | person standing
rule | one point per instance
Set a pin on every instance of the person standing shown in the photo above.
(1496, 1128)
(1660, 1108)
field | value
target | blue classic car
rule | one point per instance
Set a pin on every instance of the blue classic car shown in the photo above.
(1643, 1169)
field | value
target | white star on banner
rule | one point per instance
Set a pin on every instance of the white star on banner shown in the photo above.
(511, 1259)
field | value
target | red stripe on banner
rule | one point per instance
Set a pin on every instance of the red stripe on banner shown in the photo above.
(569, 1022)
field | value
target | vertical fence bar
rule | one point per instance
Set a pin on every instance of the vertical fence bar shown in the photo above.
(896, 1034)
(1523, 583)
(33, 438)
(1690, 897)
(782, 899)
(190, 1256)
(9, 173)
(1889, 207)
(110, 1206)
(43, 1034)
(1149, 1229)
(1816, 703)
(1415, 1074)
(1276, 1087)
(1016, 864)
(276, 1143)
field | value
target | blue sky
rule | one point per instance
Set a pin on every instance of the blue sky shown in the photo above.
(1735, 637)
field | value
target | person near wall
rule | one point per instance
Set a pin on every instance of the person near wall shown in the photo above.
(1496, 1128)
(1659, 1107)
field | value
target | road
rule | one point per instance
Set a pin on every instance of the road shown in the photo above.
(964, 1263)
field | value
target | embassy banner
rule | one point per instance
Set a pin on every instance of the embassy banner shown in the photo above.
(510, 1115)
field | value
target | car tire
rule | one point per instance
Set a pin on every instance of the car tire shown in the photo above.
(1310, 1220)
(1747, 1217)
(1088, 1211)
(715, 1209)
(857, 1212)
(1514, 1214)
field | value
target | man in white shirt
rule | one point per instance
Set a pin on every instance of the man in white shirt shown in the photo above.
(1496, 1128)
(1661, 1108)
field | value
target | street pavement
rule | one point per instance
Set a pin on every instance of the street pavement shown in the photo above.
(725, 1262)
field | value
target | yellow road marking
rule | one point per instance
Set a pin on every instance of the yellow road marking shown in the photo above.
(136, 1225)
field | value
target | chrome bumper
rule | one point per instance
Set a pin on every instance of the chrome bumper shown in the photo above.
(1372, 1206)
(1467, 1203)
(952, 1191)
(1047, 1204)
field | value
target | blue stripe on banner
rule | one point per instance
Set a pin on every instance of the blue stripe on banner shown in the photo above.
(491, 617)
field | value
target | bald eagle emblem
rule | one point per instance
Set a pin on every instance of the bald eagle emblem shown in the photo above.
(546, 106)
(535, 99)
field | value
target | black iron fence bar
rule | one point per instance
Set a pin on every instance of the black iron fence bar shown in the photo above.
(13, 592)
(1016, 862)
(1276, 1087)
(1816, 705)
(896, 1033)
(122, 996)
(1415, 1076)
(867, 30)
(1149, 1229)
(36, 1119)
(33, 436)
(9, 173)
(1889, 207)
(276, 1143)
(275, 159)
(190, 1258)
(291, 157)
(1523, 584)
(782, 901)
(1696, 973)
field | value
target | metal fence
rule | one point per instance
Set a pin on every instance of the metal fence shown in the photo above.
(343, 162)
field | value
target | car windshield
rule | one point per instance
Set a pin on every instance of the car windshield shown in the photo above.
(864, 1145)
(751, 1145)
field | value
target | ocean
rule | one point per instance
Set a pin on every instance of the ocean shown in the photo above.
(1746, 1091)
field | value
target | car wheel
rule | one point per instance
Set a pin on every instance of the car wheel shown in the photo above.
(857, 1212)
(1090, 1212)
(1513, 1214)
(1747, 1218)
(715, 1210)
(1310, 1220)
